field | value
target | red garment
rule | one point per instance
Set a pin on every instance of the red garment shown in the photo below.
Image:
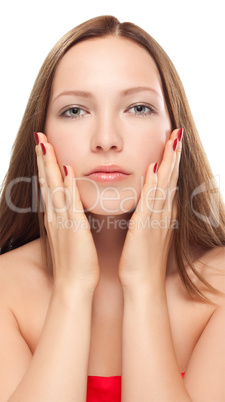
(101, 389)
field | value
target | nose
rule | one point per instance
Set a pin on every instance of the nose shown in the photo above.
(106, 136)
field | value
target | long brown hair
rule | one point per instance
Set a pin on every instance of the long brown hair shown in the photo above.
(201, 222)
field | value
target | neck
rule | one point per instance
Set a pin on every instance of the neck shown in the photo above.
(109, 232)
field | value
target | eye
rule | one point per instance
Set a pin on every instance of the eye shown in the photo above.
(141, 110)
(73, 113)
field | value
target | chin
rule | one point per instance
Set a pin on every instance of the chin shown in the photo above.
(109, 209)
(108, 202)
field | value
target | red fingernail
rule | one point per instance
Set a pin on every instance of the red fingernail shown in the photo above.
(65, 170)
(36, 138)
(175, 144)
(43, 148)
(180, 134)
(155, 167)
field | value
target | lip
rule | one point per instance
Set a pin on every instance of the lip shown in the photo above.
(108, 173)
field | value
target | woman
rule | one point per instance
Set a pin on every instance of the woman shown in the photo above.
(116, 273)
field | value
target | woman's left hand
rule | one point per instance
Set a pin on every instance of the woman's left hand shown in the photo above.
(145, 252)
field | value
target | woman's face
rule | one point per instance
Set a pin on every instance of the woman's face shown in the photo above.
(107, 114)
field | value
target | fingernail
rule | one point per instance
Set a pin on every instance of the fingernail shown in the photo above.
(36, 138)
(155, 167)
(180, 134)
(175, 144)
(43, 148)
(65, 170)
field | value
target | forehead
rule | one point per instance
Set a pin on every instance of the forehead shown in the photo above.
(114, 61)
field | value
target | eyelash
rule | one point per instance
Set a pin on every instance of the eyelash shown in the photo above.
(151, 111)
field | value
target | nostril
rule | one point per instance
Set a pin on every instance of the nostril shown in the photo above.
(100, 147)
(106, 142)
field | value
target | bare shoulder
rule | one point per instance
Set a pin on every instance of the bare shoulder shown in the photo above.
(207, 358)
(215, 257)
(21, 271)
(211, 266)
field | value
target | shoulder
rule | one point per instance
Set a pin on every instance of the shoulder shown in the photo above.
(21, 271)
(211, 266)
(215, 257)
(207, 358)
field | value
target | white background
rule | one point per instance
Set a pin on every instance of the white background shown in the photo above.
(191, 32)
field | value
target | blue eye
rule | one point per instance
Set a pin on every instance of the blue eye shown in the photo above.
(142, 110)
(73, 112)
(138, 110)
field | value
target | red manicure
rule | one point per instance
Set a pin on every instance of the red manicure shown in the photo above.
(155, 167)
(36, 138)
(65, 170)
(175, 144)
(43, 148)
(180, 134)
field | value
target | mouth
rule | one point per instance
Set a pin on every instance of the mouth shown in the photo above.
(108, 173)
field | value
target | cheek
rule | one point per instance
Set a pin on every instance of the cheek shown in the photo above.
(69, 140)
(61, 151)
(66, 155)
(150, 146)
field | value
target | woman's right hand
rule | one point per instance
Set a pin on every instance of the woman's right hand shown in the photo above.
(74, 256)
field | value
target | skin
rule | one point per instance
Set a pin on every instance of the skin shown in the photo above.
(118, 286)
(110, 129)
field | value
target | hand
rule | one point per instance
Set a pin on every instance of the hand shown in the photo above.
(73, 253)
(145, 252)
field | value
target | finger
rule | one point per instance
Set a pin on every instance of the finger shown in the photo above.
(40, 164)
(175, 173)
(168, 161)
(49, 214)
(145, 205)
(56, 190)
(74, 205)
(164, 176)
(174, 177)
(165, 173)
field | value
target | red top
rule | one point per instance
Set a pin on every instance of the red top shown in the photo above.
(101, 389)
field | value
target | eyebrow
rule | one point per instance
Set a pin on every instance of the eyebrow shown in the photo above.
(125, 92)
(131, 91)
